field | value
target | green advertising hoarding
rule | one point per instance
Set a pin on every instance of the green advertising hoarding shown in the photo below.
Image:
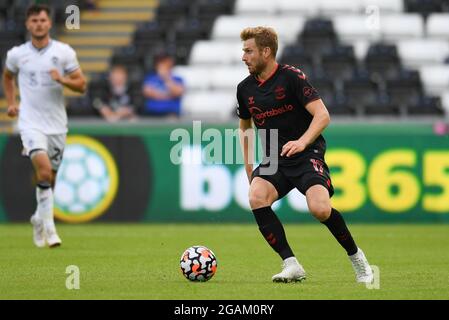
(381, 173)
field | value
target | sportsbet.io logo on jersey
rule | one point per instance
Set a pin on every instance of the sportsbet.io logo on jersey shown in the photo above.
(87, 180)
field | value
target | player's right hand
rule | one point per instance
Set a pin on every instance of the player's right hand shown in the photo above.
(13, 111)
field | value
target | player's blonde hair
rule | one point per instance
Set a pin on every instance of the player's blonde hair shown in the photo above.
(264, 37)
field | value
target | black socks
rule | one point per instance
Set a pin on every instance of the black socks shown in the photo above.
(337, 226)
(273, 231)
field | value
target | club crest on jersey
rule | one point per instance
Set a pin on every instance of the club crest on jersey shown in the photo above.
(251, 100)
(280, 93)
(54, 60)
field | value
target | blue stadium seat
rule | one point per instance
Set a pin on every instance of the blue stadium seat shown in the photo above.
(318, 36)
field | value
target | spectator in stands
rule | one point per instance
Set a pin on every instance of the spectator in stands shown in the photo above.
(163, 90)
(115, 103)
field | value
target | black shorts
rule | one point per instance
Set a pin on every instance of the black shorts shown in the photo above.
(309, 170)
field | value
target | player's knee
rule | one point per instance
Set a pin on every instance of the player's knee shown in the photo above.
(259, 200)
(321, 210)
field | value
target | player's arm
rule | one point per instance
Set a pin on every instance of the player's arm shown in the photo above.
(246, 137)
(320, 121)
(9, 88)
(74, 80)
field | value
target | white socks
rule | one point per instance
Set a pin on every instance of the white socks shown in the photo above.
(44, 197)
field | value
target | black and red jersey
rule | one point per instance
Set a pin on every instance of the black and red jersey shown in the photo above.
(279, 103)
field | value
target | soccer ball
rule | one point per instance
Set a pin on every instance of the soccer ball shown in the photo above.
(198, 263)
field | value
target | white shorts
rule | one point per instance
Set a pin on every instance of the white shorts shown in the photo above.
(53, 145)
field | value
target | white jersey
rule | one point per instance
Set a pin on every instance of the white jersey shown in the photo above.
(41, 98)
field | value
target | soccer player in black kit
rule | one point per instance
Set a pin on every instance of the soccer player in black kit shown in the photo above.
(280, 100)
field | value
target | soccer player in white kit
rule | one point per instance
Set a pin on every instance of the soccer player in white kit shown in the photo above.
(43, 67)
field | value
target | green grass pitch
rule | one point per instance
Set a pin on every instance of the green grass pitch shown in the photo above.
(130, 261)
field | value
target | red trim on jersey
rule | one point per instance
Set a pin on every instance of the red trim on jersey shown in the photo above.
(269, 77)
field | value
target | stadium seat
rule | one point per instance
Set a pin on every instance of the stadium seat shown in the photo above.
(423, 7)
(340, 106)
(296, 56)
(195, 77)
(318, 36)
(445, 101)
(229, 27)
(210, 9)
(216, 52)
(149, 33)
(383, 106)
(80, 107)
(406, 89)
(256, 7)
(172, 10)
(415, 53)
(382, 61)
(355, 27)
(192, 29)
(401, 27)
(128, 56)
(209, 104)
(435, 78)
(227, 78)
(426, 105)
(325, 88)
(385, 6)
(437, 26)
(339, 63)
(331, 7)
(360, 91)
(298, 7)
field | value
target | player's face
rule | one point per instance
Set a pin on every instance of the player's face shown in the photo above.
(252, 57)
(39, 25)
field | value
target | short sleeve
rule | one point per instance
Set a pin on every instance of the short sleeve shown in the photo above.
(70, 60)
(12, 60)
(242, 109)
(304, 90)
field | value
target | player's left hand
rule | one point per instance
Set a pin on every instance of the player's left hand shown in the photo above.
(293, 147)
(55, 75)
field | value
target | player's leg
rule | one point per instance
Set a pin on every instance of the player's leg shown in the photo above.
(44, 195)
(56, 145)
(316, 184)
(35, 142)
(262, 194)
(319, 204)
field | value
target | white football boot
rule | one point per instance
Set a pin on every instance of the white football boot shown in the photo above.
(52, 238)
(363, 271)
(38, 231)
(292, 271)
